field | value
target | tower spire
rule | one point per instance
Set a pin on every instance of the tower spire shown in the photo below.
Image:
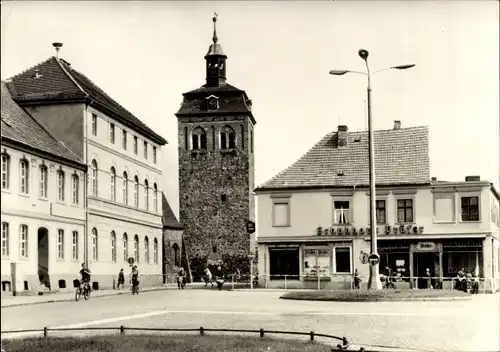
(214, 19)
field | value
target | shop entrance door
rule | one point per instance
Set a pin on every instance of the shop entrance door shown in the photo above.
(423, 261)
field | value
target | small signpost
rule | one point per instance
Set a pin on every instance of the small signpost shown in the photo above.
(130, 261)
(250, 227)
(363, 258)
(373, 259)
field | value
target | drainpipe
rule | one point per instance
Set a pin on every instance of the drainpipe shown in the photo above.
(86, 188)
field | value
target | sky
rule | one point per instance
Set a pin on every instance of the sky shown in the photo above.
(146, 54)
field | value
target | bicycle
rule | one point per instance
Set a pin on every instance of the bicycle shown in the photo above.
(135, 287)
(85, 291)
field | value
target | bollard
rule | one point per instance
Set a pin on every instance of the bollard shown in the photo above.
(45, 332)
(285, 282)
(319, 283)
(232, 281)
(261, 332)
(312, 335)
(202, 331)
(122, 330)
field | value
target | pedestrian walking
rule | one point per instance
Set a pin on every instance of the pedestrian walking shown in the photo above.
(121, 279)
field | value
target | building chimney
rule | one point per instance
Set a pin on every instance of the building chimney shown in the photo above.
(58, 47)
(397, 125)
(472, 178)
(433, 179)
(342, 136)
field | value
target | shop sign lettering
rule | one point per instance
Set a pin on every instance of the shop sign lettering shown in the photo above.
(426, 246)
(388, 230)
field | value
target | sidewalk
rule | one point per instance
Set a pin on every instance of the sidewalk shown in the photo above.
(13, 301)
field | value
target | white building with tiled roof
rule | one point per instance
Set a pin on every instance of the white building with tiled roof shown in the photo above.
(313, 217)
(43, 214)
(123, 155)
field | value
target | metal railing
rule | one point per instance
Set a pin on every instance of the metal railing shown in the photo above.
(312, 335)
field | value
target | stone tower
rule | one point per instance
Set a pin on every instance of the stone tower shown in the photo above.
(216, 168)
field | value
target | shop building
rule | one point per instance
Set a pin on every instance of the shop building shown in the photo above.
(313, 217)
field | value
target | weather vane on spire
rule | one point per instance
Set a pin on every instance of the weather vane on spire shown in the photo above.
(214, 38)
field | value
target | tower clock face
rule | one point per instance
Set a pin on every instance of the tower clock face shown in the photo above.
(213, 104)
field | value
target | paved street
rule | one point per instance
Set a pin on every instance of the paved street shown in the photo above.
(433, 326)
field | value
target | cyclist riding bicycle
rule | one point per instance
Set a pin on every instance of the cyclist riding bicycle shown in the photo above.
(135, 276)
(85, 273)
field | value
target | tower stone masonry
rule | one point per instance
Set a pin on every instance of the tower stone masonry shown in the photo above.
(216, 169)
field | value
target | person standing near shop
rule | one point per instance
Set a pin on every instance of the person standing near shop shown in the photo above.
(428, 277)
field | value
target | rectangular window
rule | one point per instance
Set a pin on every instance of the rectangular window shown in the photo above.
(317, 262)
(60, 244)
(343, 260)
(5, 171)
(112, 132)
(281, 213)
(470, 208)
(60, 186)
(135, 145)
(154, 155)
(24, 176)
(74, 245)
(5, 239)
(23, 241)
(43, 182)
(405, 210)
(341, 212)
(444, 209)
(124, 139)
(380, 210)
(94, 124)
(75, 189)
(145, 150)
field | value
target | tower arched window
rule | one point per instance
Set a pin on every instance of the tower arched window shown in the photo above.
(198, 139)
(136, 191)
(146, 194)
(155, 196)
(112, 174)
(227, 138)
(95, 171)
(186, 140)
(136, 248)
(125, 187)
(155, 251)
(242, 137)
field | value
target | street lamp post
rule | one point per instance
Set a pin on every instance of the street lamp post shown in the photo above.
(374, 281)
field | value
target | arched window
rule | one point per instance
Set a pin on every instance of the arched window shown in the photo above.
(176, 249)
(125, 187)
(155, 196)
(136, 248)
(136, 191)
(155, 251)
(112, 174)
(125, 247)
(75, 188)
(146, 194)
(242, 137)
(227, 138)
(43, 181)
(146, 250)
(24, 176)
(113, 247)
(186, 141)
(95, 171)
(60, 185)
(198, 139)
(213, 137)
(5, 171)
(95, 244)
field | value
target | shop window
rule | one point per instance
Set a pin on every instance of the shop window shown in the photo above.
(342, 260)
(470, 208)
(380, 211)
(284, 262)
(341, 212)
(405, 210)
(317, 262)
(281, 213)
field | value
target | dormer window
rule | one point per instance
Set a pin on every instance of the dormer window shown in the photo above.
(212, 102)
(198, 139)
(227, 138)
